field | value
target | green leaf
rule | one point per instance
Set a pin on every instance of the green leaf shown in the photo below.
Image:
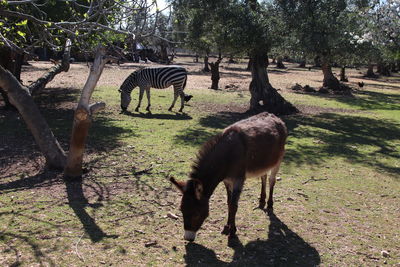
(22, 23)
(22, 34)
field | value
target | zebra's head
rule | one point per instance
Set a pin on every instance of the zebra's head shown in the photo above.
(126, 89)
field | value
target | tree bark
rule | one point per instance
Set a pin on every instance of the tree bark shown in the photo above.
(343, 77)
(330, 80)
(215, 74)
(206, 69)
(11, 61)
(370, 71)
(263, 96)
(41, 83)
(20, 97)
(83, 118)
(279, 63)
(302, 64)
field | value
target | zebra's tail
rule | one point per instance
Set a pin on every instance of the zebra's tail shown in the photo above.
(184, 84)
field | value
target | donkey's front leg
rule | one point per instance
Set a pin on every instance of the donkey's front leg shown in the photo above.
(230, 228)
(140, 98)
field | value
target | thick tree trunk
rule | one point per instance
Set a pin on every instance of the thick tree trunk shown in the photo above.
(196, 58)
(20, 97)
(215, 74)
(249, 64)
(317, 61)
(11, 61)
(383, 69)
(343, 77)
(370, 71)
(83, 119)
(330, 80)
(41, 83)
(206, 69)
(279, 63)
(263, 96)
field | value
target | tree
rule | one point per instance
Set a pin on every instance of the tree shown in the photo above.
(323, 29)
(87, 26)
(247, 28)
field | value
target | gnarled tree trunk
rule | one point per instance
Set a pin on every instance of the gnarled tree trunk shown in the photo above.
(343, 77)
(370, 71)
(206, 68)
(83, 119)
(21, 98)
(263, 96)
(41, 83)
(215, 74)
(279, 63)
(330, 80)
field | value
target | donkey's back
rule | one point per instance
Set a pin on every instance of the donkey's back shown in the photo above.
(263, 137)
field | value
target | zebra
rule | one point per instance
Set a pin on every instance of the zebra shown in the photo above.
(156, 77)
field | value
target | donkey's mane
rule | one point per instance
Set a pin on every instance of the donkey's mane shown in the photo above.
(198, 168)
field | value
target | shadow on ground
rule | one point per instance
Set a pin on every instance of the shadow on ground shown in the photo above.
(355, 138)
(283, 247)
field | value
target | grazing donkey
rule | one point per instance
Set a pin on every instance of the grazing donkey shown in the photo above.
(248, 148)
(156, 77)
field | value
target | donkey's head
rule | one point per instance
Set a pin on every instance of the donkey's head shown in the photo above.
(194, 206)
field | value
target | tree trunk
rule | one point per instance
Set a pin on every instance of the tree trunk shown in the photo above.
(263, 96)
(370, 71)
(206, 69)
(11, 61)
(196, 58)
(330, 80)
(215, 74)
(20, 97)
(343, 77)
(41, 83)
(249, 64)
(279, 63)
(302, 64)
(83, 119)
(383, 69)
(317, 61)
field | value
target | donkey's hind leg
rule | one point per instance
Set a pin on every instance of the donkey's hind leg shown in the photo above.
(263, 192)
(272, 180)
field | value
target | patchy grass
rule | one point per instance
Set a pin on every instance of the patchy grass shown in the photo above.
(337, 202)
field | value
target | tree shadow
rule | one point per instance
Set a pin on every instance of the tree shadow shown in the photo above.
(345, 136)
(198, 135)
(283, 247)
(78, 202)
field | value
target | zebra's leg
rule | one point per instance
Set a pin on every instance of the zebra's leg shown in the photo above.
(182, 95)
(148, 98)
(140, 98)
(176, 93)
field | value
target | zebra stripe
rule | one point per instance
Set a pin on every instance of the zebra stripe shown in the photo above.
(156, 77)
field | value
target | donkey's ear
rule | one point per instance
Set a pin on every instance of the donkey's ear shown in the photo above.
(179, 184)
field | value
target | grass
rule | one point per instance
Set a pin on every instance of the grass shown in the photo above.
(337, 203)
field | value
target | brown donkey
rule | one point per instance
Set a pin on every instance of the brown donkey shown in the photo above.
(248, 148)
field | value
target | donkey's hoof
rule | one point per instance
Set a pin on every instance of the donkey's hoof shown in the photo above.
(170, 109)
(261, 205)
(180, 110)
